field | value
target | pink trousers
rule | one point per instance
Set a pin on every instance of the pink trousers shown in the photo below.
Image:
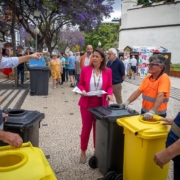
(88, 121)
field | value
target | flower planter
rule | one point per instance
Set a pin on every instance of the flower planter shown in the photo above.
(175, 73)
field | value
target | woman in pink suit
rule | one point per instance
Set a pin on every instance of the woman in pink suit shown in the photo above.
(92, 78)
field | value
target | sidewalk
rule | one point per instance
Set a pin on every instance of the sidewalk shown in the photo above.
(60, 130)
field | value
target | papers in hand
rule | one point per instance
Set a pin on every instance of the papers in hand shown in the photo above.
(91, 93)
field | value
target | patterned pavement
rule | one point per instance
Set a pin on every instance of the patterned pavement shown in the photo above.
(60, 130)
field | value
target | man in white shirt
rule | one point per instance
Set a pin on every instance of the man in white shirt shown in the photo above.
(126, 65)
(133, 63)
(13, 139)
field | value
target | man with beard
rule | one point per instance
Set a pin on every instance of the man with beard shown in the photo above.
(86, 59)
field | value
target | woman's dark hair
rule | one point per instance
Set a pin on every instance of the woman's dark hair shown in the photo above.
(103, 63)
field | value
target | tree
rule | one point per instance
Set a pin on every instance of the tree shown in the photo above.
(70, 38)
(107, 34)
(57, 13)
(5, 22)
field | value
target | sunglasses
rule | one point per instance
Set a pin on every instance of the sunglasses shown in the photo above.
(153, 64)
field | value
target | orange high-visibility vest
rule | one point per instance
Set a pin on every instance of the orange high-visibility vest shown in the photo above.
(150, 89)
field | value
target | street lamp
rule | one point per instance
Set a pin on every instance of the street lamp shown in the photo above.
(99, 44)
(44, 47)
(57, 48)
(36, 32)
(37, 14)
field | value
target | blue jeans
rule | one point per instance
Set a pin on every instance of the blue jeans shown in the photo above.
(77, 79)
(66, 74)
(22, 75)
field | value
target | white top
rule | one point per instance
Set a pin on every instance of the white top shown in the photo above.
(9, 62)
(86, 61)
(133, 62)
(96, 81)
(126, 62)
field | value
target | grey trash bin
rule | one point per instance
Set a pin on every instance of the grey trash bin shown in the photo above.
(25, 123)
(39, 80)
(109, 149)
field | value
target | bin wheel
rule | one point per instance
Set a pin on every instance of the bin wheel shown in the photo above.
(119, 177)
(93, 162)
(32, 93)
(111, 175)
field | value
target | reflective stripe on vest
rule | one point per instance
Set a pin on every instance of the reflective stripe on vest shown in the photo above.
(156, 112)
(150, 99)
(175, 129)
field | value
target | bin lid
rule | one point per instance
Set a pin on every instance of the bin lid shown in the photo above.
(23, 162)
(112, 112)
(42, 68)
(22, 118)
(40, 62)
(146, 129)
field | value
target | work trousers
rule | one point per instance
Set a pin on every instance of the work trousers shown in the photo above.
(88, 121)
(117, 92)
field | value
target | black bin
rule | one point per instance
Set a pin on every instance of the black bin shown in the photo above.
(109, 149)
(25, 123)
(39, 80)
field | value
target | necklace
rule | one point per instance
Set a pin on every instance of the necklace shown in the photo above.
(96, 85)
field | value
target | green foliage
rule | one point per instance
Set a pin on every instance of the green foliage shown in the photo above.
(145, 2)
(107, 34)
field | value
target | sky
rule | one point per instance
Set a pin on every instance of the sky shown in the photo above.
(117, 10)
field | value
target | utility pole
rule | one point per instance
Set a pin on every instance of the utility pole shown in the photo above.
(14, 39)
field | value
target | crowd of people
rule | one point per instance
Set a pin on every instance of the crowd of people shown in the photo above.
(155, 90)
(64, 67)
(93, 72)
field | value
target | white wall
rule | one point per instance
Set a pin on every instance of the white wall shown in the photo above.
(168, 37)
(153, 16)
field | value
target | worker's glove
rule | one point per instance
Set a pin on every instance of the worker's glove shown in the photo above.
(149, 115)
(124, 105)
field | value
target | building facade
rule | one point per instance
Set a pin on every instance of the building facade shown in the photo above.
(158, 24)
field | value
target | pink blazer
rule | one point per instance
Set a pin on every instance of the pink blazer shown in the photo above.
(84, 84)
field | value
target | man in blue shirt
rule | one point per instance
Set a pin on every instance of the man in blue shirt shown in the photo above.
(72, 60)
(12, 139)
(118, 73)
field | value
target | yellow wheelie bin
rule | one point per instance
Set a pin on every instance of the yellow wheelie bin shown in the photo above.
(25, 163)
(142, 140)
